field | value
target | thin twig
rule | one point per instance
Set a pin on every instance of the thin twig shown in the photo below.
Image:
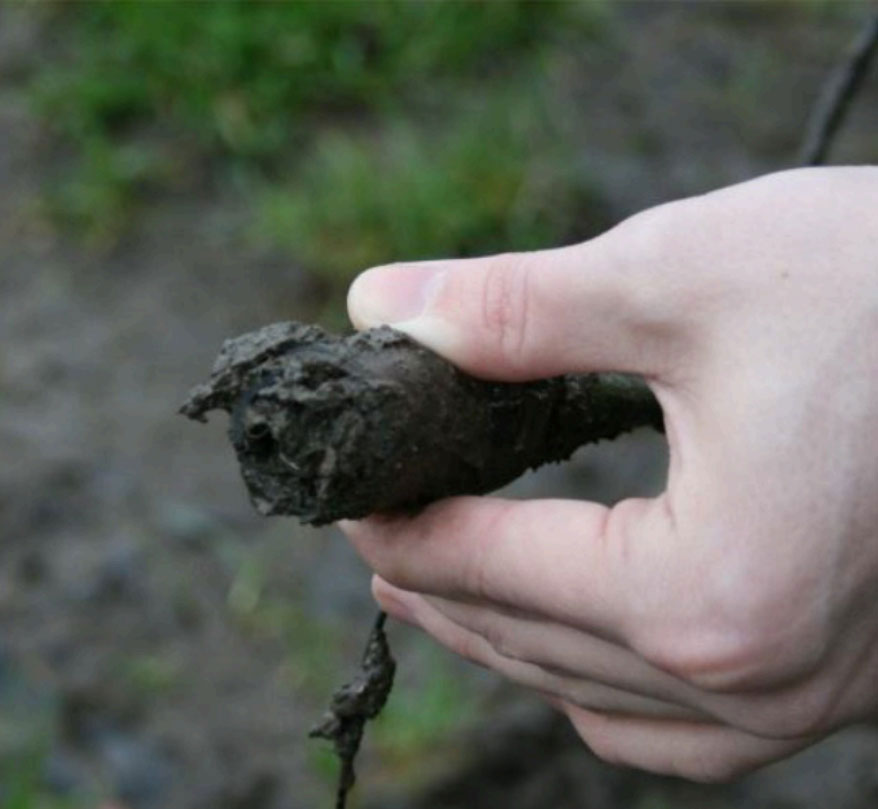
(836, 96)
(355, 703)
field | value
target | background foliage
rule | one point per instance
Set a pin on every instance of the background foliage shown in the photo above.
(364, 131)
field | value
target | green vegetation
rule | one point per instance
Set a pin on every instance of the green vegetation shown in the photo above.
(312, 647)
(323, 761)
(357, 132)
(28, 724)
(149, 675)
(481, 187)
(421, 716)
(241, 78)
(23, 788)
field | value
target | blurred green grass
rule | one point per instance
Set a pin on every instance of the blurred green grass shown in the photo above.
(242, 78)
(422, 716)
(29, 724)
(24, 788)
(407, 194)
(361, 132)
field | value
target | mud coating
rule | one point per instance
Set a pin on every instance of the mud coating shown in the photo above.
(328, 427)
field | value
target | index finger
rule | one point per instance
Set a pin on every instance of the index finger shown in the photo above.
(575, 562)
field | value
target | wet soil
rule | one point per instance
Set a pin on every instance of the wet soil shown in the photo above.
(329, 427)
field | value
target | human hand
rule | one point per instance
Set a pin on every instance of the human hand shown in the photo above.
(732, 620)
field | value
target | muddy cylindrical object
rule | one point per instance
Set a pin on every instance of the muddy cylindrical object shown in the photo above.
(328, 427)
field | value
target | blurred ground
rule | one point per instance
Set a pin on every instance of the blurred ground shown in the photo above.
(161, 645)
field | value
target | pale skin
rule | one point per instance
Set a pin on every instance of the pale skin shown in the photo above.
(732, 620)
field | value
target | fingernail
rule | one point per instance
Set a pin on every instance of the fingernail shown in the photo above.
(395, 293)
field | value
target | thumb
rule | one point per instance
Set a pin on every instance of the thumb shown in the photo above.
(516, 316)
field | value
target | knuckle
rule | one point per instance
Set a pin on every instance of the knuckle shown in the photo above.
(479, 569)
(652, 234)
(706, 659)
(395, 569)
(475, 578)
(500, 642)
(729, 659)
(504, 306)
(692, 662)
(742, 636)
(804, 712)
(663, 249)
(654, 238)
